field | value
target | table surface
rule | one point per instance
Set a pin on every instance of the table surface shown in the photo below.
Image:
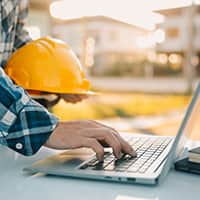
(15, 184)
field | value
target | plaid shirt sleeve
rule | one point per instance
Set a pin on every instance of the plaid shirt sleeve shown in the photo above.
(24, 124)
(21, 36)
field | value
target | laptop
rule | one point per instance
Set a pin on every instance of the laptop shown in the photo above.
(155, 156)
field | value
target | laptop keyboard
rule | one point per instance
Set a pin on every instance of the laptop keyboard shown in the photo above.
(148, 150)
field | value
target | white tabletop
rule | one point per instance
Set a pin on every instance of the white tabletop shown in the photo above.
(14, 184)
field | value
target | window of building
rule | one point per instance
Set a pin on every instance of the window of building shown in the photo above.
(172, 32)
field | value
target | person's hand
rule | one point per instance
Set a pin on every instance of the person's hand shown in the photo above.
(91, 134)
(73, 98)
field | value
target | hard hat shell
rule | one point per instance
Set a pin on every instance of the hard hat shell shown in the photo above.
(47, 65)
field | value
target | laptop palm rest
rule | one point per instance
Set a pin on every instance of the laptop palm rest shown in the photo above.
(66, 161)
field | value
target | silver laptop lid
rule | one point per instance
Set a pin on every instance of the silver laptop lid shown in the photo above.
(184, 132)
(189, 124)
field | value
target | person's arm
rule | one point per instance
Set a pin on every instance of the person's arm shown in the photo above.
(21, 36)
(24, 124)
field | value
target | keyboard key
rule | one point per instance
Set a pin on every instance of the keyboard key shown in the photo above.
(142, 170)
(133, 169)
(110, 167)
(120, 169)
(148, 150)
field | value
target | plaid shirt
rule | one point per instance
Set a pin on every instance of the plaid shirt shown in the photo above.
(24, 124)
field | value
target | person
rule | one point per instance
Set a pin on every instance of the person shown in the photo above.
(25, 125)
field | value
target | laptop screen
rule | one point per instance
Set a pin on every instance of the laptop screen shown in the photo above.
(189, 128)
(189, 124)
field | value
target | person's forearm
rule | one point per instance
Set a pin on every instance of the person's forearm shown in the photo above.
(24, 124)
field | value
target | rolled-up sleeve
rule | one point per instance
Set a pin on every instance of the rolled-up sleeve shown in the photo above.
(25, 125)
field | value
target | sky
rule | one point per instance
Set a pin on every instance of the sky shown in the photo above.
(137, 12)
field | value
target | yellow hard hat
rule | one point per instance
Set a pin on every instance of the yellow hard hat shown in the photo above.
(47, 65)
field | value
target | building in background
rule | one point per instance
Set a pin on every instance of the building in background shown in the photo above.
(102, 43)
(111, 47)
(105, 46)
(182, 38)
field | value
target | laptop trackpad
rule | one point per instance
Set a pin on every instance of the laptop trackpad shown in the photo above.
(65, 161)
(75, 157)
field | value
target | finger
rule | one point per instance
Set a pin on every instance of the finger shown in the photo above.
(83, 96)
(126, 147)
(74, 97)
(71, 98)
(94, 144)
(105, 135)
(77, 98)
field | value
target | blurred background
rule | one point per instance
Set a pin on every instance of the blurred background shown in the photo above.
(142, 56)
